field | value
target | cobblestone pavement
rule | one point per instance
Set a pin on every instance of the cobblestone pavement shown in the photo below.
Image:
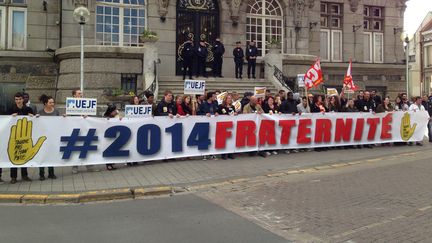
(189, 172)
(386, 200)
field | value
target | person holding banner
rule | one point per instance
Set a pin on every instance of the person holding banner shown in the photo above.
(318, 105)
(179, 101)
(350, 106)
(19, 109)
(111, 112)
(270, 107)
(227, 108)
(48, 110)
(289, 106)
(386, 106)
(334, 104)
(166, 106)
(209, 107)
(253, 106)
(303, 106)
(187, 105)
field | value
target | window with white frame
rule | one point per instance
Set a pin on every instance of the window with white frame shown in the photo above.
(331, 32)
(264, 23)
(120, 22)
(373, 41)
(2, 27)
(17, 28)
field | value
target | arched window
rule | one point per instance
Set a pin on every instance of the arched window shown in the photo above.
(264, 23)
(120, 22)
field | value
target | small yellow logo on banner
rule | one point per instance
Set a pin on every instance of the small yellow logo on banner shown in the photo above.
(20, 147)
(406, 130)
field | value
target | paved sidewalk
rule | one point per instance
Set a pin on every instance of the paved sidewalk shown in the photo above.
(189, 172)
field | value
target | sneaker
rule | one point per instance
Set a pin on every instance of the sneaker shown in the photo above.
(267, 153)
(213, 157)
(52, 177)
(13, 181)
(287, 151)
(204, 157)
(41, 178)
(274, 152)
(295, 151)
(26, 178)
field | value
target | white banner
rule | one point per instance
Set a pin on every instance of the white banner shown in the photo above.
(194, 87)
(138, 111)
(81, 106)
(67, 141)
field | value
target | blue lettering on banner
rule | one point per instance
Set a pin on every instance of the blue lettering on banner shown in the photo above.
(176, 131)
(114, 150)
(199, 136)
(146, 146)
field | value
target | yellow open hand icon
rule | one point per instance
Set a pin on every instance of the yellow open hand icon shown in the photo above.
(20, 147)
(406, 130)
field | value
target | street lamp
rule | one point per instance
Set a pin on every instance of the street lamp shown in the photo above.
(81, 15)
(407, 37)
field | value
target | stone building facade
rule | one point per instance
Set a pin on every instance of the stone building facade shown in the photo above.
(39, 41)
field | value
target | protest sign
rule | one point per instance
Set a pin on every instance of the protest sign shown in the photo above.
(138, 111)
(81, 106)
(194, 87)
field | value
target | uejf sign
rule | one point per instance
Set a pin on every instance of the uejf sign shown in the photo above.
(138, 111)
(194, 87)
(81, 106)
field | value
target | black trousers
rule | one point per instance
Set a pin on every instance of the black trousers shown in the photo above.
(201, 67)
(42, 171)
(14, 172)
(217, 66)
(238, 68)
(187, 68)
(251, 67)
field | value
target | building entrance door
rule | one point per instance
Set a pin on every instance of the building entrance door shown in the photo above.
(197, 20)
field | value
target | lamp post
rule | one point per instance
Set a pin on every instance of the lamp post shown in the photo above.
(406, 37)
(81, 15)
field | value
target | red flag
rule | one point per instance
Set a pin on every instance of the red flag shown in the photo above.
(348, 80)
(313, 76)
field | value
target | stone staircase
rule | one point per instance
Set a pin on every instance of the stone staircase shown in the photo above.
(175, 84)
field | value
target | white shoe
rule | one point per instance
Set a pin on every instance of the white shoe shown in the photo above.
(268, 153)
(295, 151)
(213, 157)
(274, 152)
(287, 151)
(75, 170)
(204, 157)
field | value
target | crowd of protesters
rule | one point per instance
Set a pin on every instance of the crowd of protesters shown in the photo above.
(208, 105)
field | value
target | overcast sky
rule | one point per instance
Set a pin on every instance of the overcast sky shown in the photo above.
(415, 13)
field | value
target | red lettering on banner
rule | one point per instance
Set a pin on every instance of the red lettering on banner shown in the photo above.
(286, 130)
(267, 132)
(386, 126)
(323, 130)
(359, 129)
(373, 123)
(245, 135)
(304, 131)
(222, 133)
(343, 129)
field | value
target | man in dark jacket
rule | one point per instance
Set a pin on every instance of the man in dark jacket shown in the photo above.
(218, 51)
(251, 56)
(377, 99)
(209, 107)
(201, 53)
(367, 104)
(19, 109)
(187, 55)
(245, 100)
(238, 60)
(166, 106)
(289, 106)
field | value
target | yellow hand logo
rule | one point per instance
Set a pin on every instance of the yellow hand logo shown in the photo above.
(20, 148)
(406, 130)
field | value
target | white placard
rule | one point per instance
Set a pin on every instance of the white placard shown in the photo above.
(81, 106)
(300, 80)
(138, 111)
(259, 92)
(194, 87)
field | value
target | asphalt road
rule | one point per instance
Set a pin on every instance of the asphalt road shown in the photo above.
(182, 218)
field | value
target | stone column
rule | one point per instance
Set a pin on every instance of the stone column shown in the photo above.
(150, 56)
(273, 58)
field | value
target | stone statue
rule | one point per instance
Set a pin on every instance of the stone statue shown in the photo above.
(234, 7)
(354, 5)
(163, 7)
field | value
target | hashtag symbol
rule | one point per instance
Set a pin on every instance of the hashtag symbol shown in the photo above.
(72, 141)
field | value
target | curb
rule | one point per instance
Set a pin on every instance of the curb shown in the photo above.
(132, 193)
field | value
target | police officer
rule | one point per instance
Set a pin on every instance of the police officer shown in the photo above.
(218, 51)
(251, 55)
(187, 55)
(201, 53)
(238, 60)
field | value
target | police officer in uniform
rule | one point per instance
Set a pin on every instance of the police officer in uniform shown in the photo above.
(238, 60)
(201, 53)
(187, 55)
(251, 55)
(218, 51)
